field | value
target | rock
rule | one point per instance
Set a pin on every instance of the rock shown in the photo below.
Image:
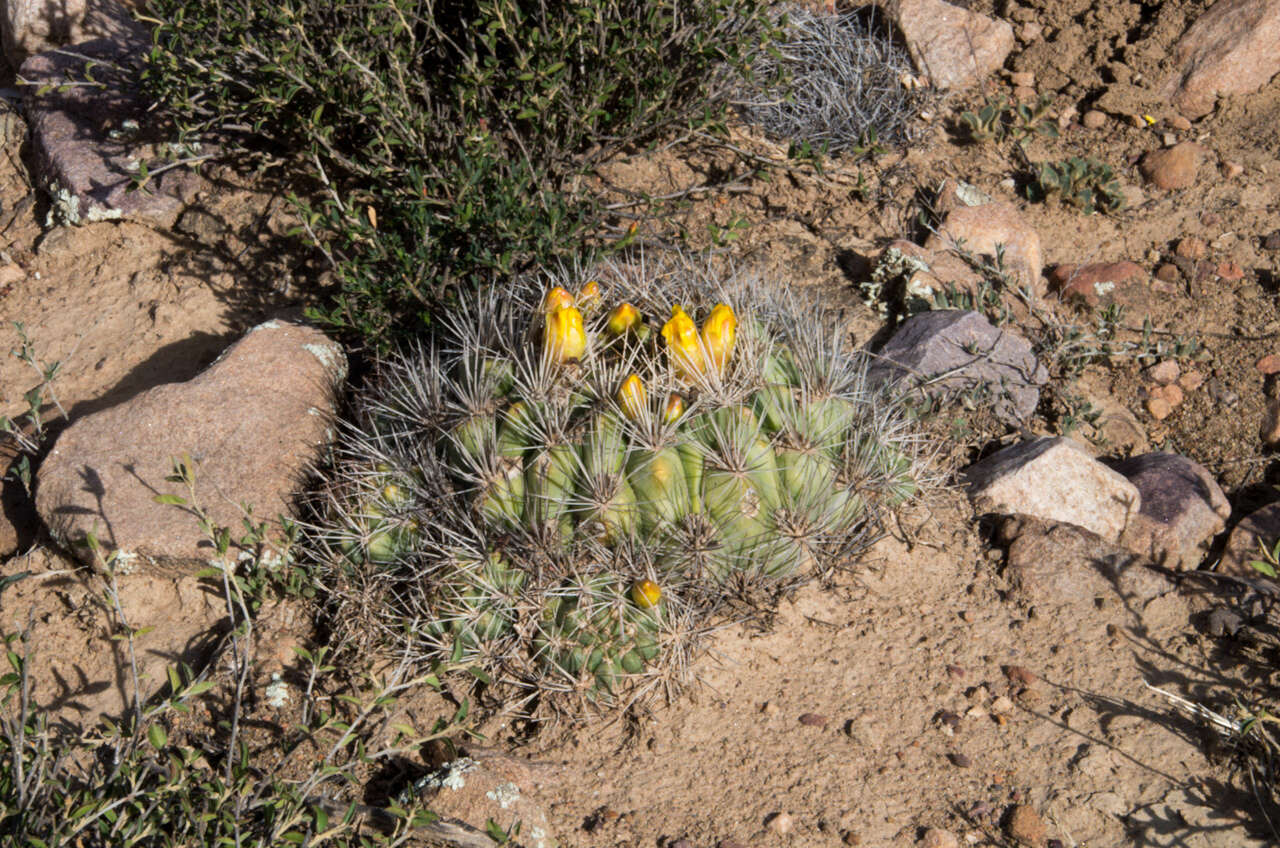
(782, 823)
(1191, 381)
(1026, 827)
(1170, 394)
(971, 353)
(1054, 478)
(1182, 509)
(1231, 170)
(33, 26)
(1050, 565)
(1094, 120)
(11, 274)
(1174, 167)
(1022, 79)
(955, 47)
(1272, 240)
(813, 720)
(1159, 408)
(979, 230)
(1261, 527)
(1179, 123)
(1268, 365)
(1191, 247)
(87, 139)
(930, 272)
(490, 786)
(1229, 271)
(1230, 49)
(1092, 283)
(936, 837)
(1269, 430)
(1167, 273)
(1165, 372)
(253, 422)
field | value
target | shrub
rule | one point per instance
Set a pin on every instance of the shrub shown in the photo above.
(841, 83)
(447, 140)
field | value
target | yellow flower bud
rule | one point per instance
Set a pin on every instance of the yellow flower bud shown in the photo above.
(674, 408)
(682, 344)
(646, 594)
(557, 298)
(718, 334)
(589, 296)
(633, 398)
(564, 338)
(622, 318)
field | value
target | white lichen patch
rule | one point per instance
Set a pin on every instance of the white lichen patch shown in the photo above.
(1104, 287)
(506, 794)
(539, 837)
(124, 562)
(273, 324)
(451, 775)
(331, 357)
(277, 692)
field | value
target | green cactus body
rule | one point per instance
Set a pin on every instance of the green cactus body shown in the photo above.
(658, 480)
(549, 485)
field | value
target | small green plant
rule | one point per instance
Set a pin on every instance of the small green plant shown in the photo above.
(28, 431)
(1270, 561)
(998, 120)
(1086, 184)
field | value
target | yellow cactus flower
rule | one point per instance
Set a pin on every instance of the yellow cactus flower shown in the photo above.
(557, 298)
(564, 339)
(633, 398)
(674, 408)
(623, 318)
(718, 334)
(682, 344)
(589, 296)
(646, 594)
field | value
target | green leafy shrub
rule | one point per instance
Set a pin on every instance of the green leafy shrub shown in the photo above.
(997, 120)
(447, 140)
(1087, 184)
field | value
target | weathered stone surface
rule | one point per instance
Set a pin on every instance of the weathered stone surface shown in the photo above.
(1174, 167)
(1231, 49)
(1056, 479)
(990, 228)
(32, 26)
(1261, 527)
(487, 787)
(89, 139)
(971, 353)
(1050, 564)
(955, 47)
(253, 422)
(1093, 283)
(1182, 508)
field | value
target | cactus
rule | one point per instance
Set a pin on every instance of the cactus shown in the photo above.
(564, 488)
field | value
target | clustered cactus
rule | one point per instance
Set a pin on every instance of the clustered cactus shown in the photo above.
(562, 490)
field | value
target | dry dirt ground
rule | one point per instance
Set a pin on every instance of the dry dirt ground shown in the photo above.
(917, 690)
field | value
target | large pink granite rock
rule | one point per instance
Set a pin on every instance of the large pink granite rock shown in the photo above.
(1234, 48)
(253, 423)
(954, 47)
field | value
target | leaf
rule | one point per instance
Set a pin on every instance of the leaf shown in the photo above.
(170, 500)
(1263, 567)
(157, 737)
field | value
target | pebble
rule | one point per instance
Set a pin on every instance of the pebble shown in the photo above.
(1167, 273)
(949, 720)
(1030, 31)
(936, 837)
(1229, 271)
(781, 823)
(1269, 364)
(956, 671)
(1023, 79)
(1002, 705)
(1191, 381)
(1165, 372)
(1222, 394)
(1168, 139)
(813, 720)
(1231, 170)
(1025, 826)
(851, 837)
(1172, 168)
(1269, 432)
(1020, 675)
(1024, 94)
(1171, 394)
(10, 274)
(1094, 120)
(1178, 122)
(1272, 240)
(959, 760)
(1191, 248)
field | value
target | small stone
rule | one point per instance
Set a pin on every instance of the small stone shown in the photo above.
(1024, 94)
(1178, 122)
(1026, 827)
(949, 720)
(1229, 271)
(1165, 372)
(936, 837)
(1159, 408)
(1168, 139)
(1020, 675)
(959, 760)
(1191, 247)
(1167, 273)
(1030, 31)
(1002, 705)
(1269, 432)
(813, 720)
(1269, 364)
(956, 671)
(1172, 168)
(1191, 381)
(10, 274)
(851, 837)
(1094, 120)
(1172, 394)
(769, 708)
(1272, 240)
(1022, 78)
(781, 823)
